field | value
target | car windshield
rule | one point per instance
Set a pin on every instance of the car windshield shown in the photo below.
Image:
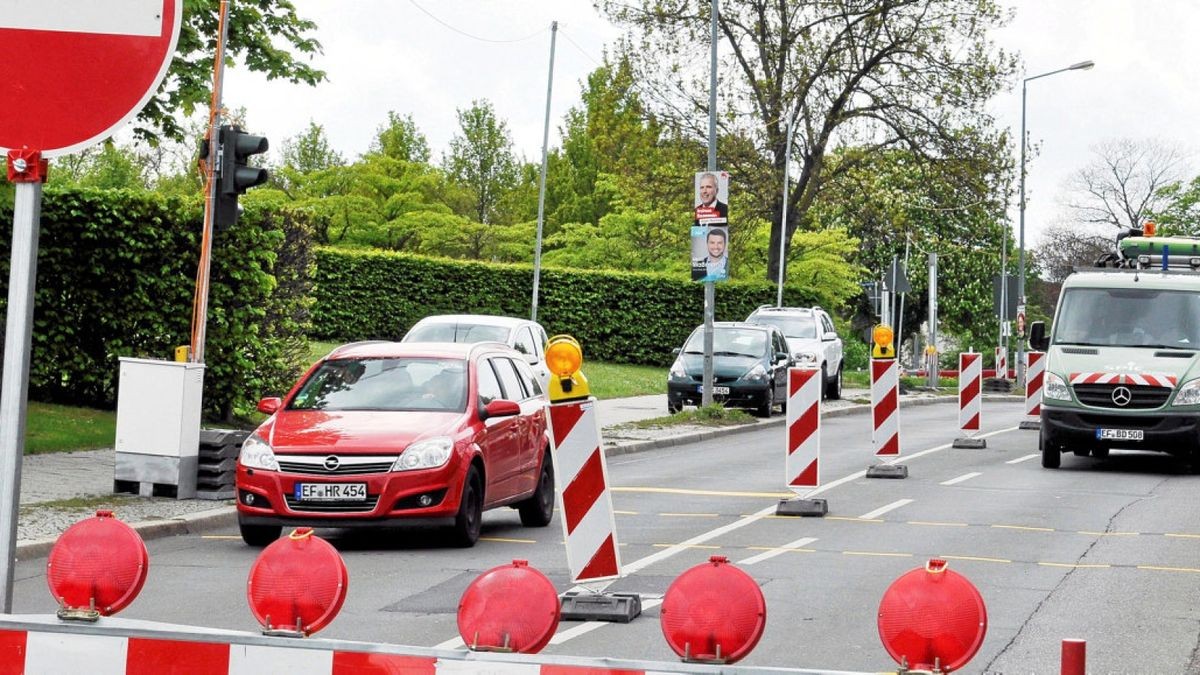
(437, 385)
(1144, 317)
(730, 342)
(457, 332)
(792, 326)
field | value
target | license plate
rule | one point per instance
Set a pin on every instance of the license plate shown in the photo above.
(1119, 434)
(716, 390)
(331, 492)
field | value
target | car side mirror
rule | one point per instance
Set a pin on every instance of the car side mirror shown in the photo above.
(270, 405)
(501, 408)
(829, 336)
(677, 351)
(1037, 336)
(782, 356)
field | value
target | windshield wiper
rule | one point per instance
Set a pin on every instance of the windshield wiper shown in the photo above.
(729, 353)
(1177, 347)
(1084, 344)
(692, 351)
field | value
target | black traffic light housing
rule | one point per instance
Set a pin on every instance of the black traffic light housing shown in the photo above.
(236, 146)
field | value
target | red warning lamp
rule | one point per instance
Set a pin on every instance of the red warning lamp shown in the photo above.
(297, 585)
(932, 618)
(510, 608)
(713, 613)
(1149, 228)
(97, 567)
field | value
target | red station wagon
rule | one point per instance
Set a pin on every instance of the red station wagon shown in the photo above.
(380, 433)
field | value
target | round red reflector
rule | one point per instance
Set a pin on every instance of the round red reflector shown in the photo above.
(100, 561)
(509, 608)
(713, 612)
(932, 616)
(297, 584)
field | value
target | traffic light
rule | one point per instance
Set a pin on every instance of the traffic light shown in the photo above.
(236, 146)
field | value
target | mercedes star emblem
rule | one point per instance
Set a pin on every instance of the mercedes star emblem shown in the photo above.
(1121, 396)
(332, 462)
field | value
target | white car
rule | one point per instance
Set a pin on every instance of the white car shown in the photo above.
(811, 338)
(523, 335)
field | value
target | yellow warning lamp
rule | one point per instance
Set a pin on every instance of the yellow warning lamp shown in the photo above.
(564, 356)
(1149, 228)
(882, 336)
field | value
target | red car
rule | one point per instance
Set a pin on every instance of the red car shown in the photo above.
(379, 433)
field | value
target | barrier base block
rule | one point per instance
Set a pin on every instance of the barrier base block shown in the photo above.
(1035, 425)
(887, 471)
(615, 607)
(808, 508)
(973, 443)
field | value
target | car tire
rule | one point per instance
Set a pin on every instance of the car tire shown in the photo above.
(824, 383)
(539, 508)
(1051, 456)
(467, 523)
(764, 409)
(833, 390)
(259, 535)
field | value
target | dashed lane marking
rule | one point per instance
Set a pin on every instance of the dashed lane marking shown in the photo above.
(1093, 566)
(1158, 568)
(962, 478)
(771, 553)
(711, 547)
(931, 523)
(1109, 534)
(1024, 528)
(625, 513)
(689, 515)
(1025, 458)
(885, 509)
(505, 540)
(975, 558)
(878, 554)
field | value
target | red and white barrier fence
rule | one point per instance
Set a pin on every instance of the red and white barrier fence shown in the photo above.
(970, 391)
(585, 501)
(885, 407)
(1001, 363)
(802, 467)
(1035, 374)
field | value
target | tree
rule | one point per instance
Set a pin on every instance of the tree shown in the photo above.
(1123, 184)
(481, 159)
(913, 74)
(1179, 212)
(305, 153)
(400, 139)
(261, 33)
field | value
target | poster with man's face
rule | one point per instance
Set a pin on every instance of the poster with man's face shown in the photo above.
(712, 198)
(710, 253)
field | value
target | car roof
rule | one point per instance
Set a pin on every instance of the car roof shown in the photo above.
(477, 319)
(803, 311)
(381, 349)
(738, 324)
(1129, 279)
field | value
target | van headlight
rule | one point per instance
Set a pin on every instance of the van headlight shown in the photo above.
(427, 454)
(1188, 394)
(258, 454)
(1055, 388)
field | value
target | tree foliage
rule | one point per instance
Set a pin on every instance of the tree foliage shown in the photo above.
(1124, 184)
(481, 159)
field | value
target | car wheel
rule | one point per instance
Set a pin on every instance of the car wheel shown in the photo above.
(673, 407)
(1051, 457)
(539, 508)
(259, 535)
(833, 390)
(465, 531)
(764, 410)
(824, 383)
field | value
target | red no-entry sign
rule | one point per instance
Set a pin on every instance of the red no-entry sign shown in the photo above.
(75, 71)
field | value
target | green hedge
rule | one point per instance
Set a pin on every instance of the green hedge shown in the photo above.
(116, 276)
(619, 317)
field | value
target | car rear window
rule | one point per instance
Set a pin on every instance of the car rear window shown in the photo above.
(436, 385)
(457, 332)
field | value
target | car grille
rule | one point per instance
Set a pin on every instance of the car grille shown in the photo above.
(1143, 396)
(332, 507)
(717, 379)
(347, 464)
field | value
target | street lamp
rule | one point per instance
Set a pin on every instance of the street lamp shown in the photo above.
(1082, 65)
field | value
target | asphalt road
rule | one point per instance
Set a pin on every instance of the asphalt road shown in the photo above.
(1104, 550)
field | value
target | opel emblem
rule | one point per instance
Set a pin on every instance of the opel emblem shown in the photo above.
(1121, 396)
(332, 462)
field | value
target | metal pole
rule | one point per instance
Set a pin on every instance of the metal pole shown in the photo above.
(1003, 291)
(1021, 249)
(710, 295)
(537, 251)
(14, 388)
(933, 369)
(787, 165)
(900, 313)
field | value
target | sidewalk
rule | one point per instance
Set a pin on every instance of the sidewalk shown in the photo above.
(59, 489)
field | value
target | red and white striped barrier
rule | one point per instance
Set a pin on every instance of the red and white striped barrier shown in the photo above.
(1002, 363)
(970, 400)
(584, 499)
(1146, 379)
(1035, 374)
(885, 407)
(802, 467)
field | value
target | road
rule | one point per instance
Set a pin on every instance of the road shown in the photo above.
(1105, 550)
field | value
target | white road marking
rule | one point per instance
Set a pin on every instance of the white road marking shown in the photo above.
(884, 509)
(960, 479)
(1026, 458)
(589, 626)
(766, 555)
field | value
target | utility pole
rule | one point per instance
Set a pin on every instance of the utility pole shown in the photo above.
(710, 295)
(933, 366)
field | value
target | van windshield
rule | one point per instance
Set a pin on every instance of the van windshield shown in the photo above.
(1144, 317)
(792, 326)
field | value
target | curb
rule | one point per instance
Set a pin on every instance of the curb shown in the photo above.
(189, 523)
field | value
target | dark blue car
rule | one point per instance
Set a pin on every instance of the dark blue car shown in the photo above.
(750, 363)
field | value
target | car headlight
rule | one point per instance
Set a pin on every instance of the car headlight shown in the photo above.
(678, 372)
(1055, 388)
(257, 454)
(1188, 394)
(427, 454)
(756, 374)
(806, 357)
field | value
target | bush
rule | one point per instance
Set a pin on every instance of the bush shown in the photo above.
(623, 317)
(116, 277)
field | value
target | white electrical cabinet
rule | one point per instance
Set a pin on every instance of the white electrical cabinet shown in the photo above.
(158, 427)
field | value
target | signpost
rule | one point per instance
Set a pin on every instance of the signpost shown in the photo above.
(78, 70)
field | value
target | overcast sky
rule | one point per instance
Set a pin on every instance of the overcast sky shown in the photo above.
(384, 55)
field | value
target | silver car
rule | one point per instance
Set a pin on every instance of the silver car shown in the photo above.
(811, 338)
(523, 335)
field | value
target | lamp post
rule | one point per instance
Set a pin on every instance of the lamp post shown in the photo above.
(1082, 65)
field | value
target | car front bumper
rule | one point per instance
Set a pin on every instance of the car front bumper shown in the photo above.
(740, 395)
(1177, 433)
